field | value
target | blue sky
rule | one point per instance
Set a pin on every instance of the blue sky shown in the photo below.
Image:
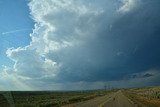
(14, 15)
(79, 44)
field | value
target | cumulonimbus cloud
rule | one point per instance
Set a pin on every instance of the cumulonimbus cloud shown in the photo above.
(78, 41)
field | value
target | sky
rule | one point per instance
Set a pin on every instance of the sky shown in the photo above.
(15, 22)
(79, 44)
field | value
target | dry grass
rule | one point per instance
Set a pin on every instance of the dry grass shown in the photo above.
(50, 98)
(145, 97)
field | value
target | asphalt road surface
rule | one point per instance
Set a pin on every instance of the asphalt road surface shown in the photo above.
(117, 99)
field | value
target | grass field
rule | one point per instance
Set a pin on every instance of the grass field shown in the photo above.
(47, 98)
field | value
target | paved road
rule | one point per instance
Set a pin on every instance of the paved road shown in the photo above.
(119, 100)
(116, 99)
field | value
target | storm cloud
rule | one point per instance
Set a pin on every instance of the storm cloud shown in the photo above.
(87, 42)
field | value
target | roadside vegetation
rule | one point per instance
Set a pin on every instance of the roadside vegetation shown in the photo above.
(144, 97)
(50, 98)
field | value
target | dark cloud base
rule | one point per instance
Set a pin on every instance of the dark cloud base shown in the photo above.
(135, 36)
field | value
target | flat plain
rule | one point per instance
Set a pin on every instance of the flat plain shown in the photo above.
(132, 97)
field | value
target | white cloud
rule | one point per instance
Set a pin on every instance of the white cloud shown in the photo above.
(60, 25)
(28, 63)
(128, 5)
